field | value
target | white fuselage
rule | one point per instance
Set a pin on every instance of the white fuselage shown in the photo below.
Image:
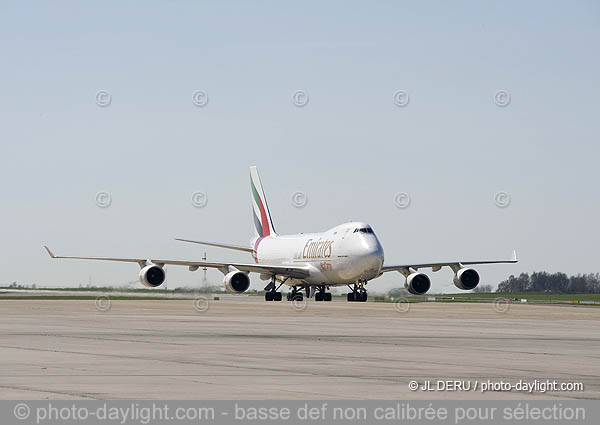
(345, 254)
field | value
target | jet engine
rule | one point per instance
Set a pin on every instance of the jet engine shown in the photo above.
(466, 279)
(417, 283)
(236, 281)
(152, 276)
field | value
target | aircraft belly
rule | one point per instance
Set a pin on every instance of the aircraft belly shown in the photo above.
(328, 264)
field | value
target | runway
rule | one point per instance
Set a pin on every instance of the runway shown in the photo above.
(249, 349)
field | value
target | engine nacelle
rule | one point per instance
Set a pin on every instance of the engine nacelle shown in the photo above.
(152, 276)
(466, 279)
(417, 283)
(236, 281)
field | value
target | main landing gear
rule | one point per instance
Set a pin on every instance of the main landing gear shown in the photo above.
(272, 293)
(358, 294)
(272, 296)
(321, 295)
(295, 295)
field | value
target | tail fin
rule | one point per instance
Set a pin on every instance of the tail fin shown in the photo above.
(263, 225)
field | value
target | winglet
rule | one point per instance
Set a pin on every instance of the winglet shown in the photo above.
(514, 256)
(49, 252)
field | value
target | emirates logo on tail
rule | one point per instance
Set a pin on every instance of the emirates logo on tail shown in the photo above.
(260, 210)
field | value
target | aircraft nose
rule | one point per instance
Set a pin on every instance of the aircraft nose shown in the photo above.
(373, 253)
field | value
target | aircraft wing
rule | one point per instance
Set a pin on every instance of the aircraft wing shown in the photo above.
(289, 271)
(404, 268)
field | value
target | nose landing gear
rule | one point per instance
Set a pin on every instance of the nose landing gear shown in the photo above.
(358, 294)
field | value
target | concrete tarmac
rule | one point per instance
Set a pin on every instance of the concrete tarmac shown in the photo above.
(250, 349)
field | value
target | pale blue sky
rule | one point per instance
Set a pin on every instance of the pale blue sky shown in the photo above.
(350, 149)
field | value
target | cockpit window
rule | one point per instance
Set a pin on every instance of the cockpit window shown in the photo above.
(364, 230)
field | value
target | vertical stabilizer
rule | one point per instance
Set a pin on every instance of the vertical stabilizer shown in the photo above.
(263, 225)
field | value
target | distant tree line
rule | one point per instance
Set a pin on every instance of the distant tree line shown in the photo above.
(483, 288)
(536, 282)
(551, 282)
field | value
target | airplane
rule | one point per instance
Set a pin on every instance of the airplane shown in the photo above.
(349, 254)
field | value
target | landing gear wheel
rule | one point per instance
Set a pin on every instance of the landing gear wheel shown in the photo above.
(359, 293)
(321, 295)
(295, 296)
(272, 296)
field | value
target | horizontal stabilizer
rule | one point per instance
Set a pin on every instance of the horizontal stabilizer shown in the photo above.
(220, 245)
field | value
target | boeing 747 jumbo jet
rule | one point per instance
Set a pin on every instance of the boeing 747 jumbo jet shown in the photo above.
(346, 255)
